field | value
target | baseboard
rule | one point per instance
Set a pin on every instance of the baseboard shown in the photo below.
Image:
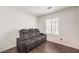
(64, 44)
(7, 48)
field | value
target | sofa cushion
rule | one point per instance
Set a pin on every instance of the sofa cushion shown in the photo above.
(37, 33)
(32, 33)
(23, 32)
(42, 36)
(30, 41)
(26, 36)
(37, 38)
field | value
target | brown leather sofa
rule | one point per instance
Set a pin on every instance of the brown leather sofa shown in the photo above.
(29, 39)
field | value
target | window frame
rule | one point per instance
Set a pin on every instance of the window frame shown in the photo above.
(53, 25)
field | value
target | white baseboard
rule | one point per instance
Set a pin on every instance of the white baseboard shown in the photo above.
(69, 45)
(7, 48)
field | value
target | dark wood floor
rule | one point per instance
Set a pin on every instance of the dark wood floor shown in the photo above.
(48, 47)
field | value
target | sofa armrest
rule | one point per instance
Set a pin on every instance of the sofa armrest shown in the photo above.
(42, 34)
(20, 45)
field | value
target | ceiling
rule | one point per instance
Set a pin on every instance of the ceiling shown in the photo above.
(41, 10)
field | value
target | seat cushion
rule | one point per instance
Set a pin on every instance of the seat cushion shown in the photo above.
(40, 37)
(30, 41)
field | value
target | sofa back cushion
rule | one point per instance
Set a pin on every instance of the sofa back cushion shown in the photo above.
(31, 33)
(37, 32)
(34, 32)
(24, 33)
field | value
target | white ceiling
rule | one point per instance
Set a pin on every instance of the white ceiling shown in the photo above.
(41, 10)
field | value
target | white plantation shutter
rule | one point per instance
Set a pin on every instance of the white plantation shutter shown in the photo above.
(55, 26)
(48, 26)
(52, 26)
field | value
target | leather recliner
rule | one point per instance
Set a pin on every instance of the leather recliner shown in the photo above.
(29, 39)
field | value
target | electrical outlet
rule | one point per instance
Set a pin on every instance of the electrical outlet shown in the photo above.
(61, 39)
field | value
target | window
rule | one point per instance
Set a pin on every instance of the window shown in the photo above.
(52, 26)
(48, 26)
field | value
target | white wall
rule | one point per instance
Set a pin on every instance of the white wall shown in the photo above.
(68, 27)
(78, 20)
(11, 21)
